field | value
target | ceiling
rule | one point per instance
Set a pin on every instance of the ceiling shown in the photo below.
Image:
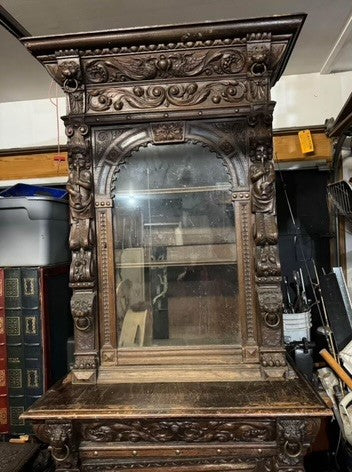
(325, 43)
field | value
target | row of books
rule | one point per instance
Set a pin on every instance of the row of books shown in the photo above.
(35, 323)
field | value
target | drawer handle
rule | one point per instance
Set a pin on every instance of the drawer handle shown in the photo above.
(293, 449)
(65, 456)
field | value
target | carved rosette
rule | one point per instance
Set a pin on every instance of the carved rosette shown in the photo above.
(82, 244)
(61, 440)
(168, 132)
(267, 264)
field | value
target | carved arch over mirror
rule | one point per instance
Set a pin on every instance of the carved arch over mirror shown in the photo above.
(113, 146)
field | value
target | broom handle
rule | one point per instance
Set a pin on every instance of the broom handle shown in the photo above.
(336, 368)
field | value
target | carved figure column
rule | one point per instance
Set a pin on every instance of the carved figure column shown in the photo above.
(82, 244)
(267, 265)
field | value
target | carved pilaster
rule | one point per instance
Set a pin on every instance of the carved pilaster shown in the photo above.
(82, 244)
(62, 442)
(107, 306)
(250, 351)
(267, 265)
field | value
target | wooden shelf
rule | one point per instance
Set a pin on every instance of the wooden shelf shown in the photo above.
(23, 164)
(133, 265)
(192, 255)
(223, 187)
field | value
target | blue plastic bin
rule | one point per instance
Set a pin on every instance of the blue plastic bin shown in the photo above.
(25, 190)
(34, 226)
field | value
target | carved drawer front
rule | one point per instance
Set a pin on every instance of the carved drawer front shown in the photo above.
(180, 430)
(245, 464)
(194, 445)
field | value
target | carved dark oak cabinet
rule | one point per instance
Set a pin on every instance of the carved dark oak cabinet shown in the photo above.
(179, 357)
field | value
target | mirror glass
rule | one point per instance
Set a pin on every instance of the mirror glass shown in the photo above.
(175, 249)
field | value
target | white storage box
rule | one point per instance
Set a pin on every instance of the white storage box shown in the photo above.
(297, 326)
(33, 231)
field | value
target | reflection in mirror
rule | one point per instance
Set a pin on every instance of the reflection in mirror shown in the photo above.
(175, 249)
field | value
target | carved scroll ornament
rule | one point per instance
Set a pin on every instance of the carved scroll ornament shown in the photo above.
(192, 431)
(176, 96)
(164, 65)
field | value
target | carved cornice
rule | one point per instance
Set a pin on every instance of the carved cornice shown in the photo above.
(280, 32)
(248, 57)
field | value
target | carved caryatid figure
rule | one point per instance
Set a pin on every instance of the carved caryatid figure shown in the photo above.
(79, 187)
(262, 176)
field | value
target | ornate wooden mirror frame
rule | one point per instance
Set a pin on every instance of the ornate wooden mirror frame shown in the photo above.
(256, 249)
(209, 84)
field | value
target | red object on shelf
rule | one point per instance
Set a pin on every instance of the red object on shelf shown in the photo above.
(59, 158)
(4, 398)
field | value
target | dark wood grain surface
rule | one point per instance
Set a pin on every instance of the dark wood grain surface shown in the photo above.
(16, 457)
(229, 399)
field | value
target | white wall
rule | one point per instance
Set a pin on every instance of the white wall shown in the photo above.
(302, 100)
(30, 123)
(309, 99)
